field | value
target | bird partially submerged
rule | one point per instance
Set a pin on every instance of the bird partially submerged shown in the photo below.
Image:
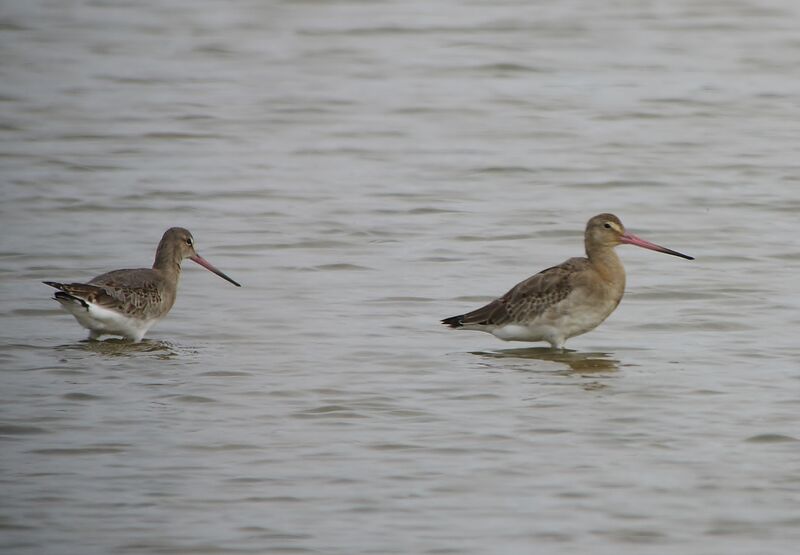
(127, 303)
(566, 300)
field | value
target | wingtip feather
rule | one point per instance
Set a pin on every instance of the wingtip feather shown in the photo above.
(63, 297)
(454, 321)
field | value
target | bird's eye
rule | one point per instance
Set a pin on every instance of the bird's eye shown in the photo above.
(607, 225)
(189, 241)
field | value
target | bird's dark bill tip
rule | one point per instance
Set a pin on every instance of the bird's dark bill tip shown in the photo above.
(207, 265)
(631, 239)
(679, 254)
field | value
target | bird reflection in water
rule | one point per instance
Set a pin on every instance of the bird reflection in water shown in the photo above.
(122, 347)
(578, 362)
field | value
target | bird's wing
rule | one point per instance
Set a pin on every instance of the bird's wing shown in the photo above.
(123, 290)
(528, 298)
(87, 294)
(132, 290)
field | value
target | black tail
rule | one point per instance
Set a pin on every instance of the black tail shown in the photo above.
(61, 296)
(454, 321)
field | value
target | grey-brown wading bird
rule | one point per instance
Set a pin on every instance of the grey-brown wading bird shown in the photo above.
(565, 300)
(129, 302)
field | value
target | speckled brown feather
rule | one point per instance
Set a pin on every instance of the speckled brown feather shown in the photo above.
(527, 299)
(139, 293)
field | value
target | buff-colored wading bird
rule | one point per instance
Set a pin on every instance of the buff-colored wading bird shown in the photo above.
(127, 303)
(565, 300)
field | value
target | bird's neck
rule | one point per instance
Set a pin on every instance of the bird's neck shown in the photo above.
(167, 263)
(607, 264)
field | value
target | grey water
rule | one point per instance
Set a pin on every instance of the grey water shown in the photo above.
(365, 168)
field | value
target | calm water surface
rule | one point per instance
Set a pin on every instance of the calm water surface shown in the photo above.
(364, 169)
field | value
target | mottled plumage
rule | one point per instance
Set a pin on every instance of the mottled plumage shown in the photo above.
(128, 302)
(565, 300)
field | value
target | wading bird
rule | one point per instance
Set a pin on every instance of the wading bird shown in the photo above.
(566, 300)
(127, 303)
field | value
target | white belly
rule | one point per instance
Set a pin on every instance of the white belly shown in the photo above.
(103, 321)
(557, 324)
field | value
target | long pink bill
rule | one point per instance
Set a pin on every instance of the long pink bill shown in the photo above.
(631, 239)
(208, 266)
